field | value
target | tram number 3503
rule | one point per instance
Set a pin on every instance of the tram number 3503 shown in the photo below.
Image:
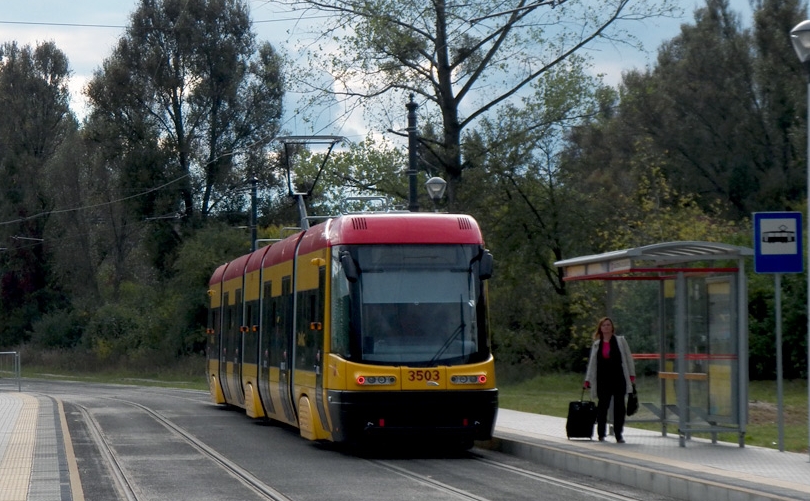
(423, 375)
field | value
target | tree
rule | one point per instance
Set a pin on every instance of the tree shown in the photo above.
(532, 213)
(715, 130)
(779, 77)
(192, 100)
(367, 168)
(718, 111)
(35, 100)
(462, 60)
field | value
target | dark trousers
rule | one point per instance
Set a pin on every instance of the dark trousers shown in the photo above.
(619, 411)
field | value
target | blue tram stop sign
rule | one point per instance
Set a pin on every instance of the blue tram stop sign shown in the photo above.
(778, 242)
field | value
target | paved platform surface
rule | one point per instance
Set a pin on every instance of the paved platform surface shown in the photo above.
(34, 461)
(37, 461)
(700, 471)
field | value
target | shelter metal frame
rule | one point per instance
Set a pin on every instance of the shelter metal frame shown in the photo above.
(676, 261)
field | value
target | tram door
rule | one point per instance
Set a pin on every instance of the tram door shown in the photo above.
(212, 353)
(309, 341)
(239, 352)
(269, 324)
(281, 352)
(227, 334)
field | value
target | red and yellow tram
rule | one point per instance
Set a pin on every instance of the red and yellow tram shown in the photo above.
(364, 324)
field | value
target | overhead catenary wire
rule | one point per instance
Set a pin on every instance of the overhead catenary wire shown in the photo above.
(92, 206)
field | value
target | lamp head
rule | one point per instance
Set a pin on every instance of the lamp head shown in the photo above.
(435, 187)
(800, 37)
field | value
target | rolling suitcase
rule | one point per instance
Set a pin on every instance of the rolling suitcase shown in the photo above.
(581, 418)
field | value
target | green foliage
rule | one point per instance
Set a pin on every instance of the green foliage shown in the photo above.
(34, 97)
(57, 329)
(444, 53)
(367, 168)
(716, 124)
(555, 164)
(188, 101)
(762, 326)
(182, 310)
(113, 331)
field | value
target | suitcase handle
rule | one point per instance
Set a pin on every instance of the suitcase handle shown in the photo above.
(582, 397)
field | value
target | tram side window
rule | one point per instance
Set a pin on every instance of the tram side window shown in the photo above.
(276, 331)
(227, 334)
(282, 325)
(224, 327)
(268, 323)
(305, 339)
(251, 336)
(341, 306)
(213, 333)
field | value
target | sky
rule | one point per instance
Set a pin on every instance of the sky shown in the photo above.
(87, 30)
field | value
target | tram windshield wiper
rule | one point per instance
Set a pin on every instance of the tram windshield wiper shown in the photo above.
(456, 333)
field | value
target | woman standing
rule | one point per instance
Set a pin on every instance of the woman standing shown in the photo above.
(611, 374)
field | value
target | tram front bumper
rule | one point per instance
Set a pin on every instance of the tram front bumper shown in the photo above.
(466, 415)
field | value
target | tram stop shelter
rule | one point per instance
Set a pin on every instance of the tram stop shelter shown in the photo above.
(700, 380)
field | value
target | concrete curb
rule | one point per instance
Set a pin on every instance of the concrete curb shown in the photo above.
(636, 471)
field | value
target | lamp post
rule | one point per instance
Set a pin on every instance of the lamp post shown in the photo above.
(800, 37)
(435, 187)
(254, 182)
(413, 204)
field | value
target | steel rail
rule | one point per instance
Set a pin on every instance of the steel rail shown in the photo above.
(236, 471)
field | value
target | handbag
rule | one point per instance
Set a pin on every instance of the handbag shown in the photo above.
(632, 402)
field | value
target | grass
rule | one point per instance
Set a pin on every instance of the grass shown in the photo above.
(550, 394)
(159, 378)
(185, 373)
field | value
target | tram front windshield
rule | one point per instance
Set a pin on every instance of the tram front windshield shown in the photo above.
(418, 305)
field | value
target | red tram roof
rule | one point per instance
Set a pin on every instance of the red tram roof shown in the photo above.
(281, 251)
(401, 228)
(217, 276)
(256, 258)
(353, 229)
(236, 268)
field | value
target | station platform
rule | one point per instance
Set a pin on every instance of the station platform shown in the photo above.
(700, 471)
(37, 461)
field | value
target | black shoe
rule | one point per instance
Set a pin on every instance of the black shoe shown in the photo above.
(619, 439)
(601, 438)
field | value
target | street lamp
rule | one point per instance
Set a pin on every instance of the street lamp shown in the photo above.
(800, 37)
(435, 187)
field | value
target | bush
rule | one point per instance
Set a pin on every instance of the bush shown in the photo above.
(58, 329)
(113, 331)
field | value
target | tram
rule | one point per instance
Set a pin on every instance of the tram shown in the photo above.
(363, 325)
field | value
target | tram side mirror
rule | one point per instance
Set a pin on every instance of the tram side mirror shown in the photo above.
(349, 266)
(485, 266)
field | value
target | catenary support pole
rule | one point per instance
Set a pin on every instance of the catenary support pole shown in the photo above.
(413, 204)
(253, 212)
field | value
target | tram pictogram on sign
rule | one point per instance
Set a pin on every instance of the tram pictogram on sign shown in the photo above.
(778, 242)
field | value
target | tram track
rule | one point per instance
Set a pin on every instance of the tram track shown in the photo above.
(127, 488)
(129, 492)
(123, 485)
(427, 480)
(557, 482)
(547, 480)
(449, 480)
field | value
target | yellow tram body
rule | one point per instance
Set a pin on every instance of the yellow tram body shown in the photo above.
(298, 332)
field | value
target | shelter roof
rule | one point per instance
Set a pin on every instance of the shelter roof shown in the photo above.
(650, 259)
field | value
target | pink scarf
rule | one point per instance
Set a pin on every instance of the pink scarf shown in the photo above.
(605, 349)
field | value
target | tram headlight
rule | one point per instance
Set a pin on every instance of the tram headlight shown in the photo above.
(469, 379)
(375, 380)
